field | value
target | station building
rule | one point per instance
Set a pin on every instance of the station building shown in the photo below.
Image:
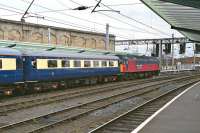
(37, 33)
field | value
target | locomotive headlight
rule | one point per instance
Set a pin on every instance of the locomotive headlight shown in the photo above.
(37, 88)
(8, 92)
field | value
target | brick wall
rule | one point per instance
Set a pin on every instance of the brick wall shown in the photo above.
(28, 32)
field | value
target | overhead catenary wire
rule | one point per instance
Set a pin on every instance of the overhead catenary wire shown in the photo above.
(50, 19)
(116, 19)
(139, 29)
(117, 28)
(40, 12)
(86, 20)
(125, 4)
(57, 21)
(111, 26)
(126, 16)
(109, 17)
(10, 10)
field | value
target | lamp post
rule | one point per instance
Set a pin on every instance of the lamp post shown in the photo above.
(194, 57)
(160, 54)
(172, 51)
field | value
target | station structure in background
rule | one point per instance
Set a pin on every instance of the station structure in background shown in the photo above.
(36, 33)
(182, 15)
(163, 48)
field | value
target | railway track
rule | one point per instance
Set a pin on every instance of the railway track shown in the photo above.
(130, 120)
(32, 102)
(44, 122)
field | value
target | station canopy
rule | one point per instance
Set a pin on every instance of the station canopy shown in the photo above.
(182, 15)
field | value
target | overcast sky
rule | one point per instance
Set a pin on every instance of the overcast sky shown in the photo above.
(135, 22)
(59, 13)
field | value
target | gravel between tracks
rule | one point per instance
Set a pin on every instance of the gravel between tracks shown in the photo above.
(95, 119)
(41, 110)
(14, 117)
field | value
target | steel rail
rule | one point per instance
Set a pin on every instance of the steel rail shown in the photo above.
(70, 108)
(131, 119)
(16, 106)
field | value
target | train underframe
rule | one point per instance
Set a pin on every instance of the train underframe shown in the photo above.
(31, 87)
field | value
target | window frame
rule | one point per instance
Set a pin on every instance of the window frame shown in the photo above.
(54, 64)
(113, 64)
(94, 65)
(64, 66)
(74, 62)
(102, 63)
(86, 64)
(8, 63)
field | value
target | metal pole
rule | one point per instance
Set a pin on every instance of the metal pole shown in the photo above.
(160, 54)
(114, 46)
(49, 35)
(172, 51)
(107, 36)
(22, 18)
(166, 62)
(194, 58)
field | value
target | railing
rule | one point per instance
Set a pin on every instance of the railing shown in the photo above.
(181, 67)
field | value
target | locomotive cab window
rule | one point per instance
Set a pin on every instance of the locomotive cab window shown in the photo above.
(104, 63)
(87, 64)
(65, 63)
(77, 63)
(96, 63)
(52, 63)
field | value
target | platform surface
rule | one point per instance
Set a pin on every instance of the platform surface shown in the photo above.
(181, 116)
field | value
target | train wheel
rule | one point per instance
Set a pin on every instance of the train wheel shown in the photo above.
(8, 92)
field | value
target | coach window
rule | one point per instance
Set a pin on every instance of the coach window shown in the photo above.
(96, 63)
(52, 63)
(0, 64)
(87, 64)
(77, 63)
(111, 63)
(65, 63)
(104, 63)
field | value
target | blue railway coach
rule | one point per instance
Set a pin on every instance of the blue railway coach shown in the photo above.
(11, 70)
(58, 66)
(29, 70)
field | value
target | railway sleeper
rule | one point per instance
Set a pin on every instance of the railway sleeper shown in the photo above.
(127, 122)
(117, 129)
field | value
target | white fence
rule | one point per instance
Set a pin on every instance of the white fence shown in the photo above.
(181, 67)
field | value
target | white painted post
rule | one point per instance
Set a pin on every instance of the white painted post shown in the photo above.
(49, 35)
(107, 36)
(172, 51)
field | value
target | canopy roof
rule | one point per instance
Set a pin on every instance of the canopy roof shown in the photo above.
(26, 47)
(182, 15)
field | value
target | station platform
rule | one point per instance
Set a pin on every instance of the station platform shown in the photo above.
(180, 115)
